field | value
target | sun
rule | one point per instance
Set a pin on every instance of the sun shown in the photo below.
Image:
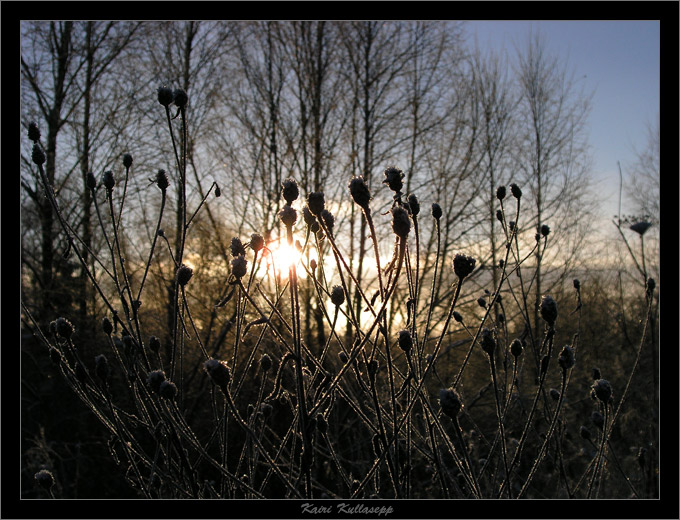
(282, 257)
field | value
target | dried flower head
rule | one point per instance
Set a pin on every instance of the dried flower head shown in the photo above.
(218, 371)
(651, 285)
(266, 409)
(64, 328)
(310, 220)
(165, 96)
(360, 192)
(457, 316)
(372, 369)
(337, 295)
(184, 274)
(567, 358)
(413, 204)
(343, 357)
(154, 379)
(316, 202)
(33, 132)
(107, 326)
(90, 181)
(394, 179)
(265, 362)
(168, 390)
(405, 340)
(463, 265)
(37, 155)
(577, 284)
(488, 342)
(237, 247)
(481, 302)
(127, 160)
(288, 216)
(328, 220)
(602, 390)
(155, 344)
(180, 98)
(101, 367)
(555, 394)
(401, 224)
(162, 180)
(549, 309)
(584, 433)
(109, 181)
(545, 230)
(516, 192)
(256, 242)
(641, 227)
(516, 348)
(436, 211)
(500, 192)
(289, 191)
(45, 479)
(239, 266)
(450, 402)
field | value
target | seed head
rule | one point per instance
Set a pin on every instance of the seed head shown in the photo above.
(499, 215)
(549, 309)
(288, 216)
(218, 372)
(577, 284)
(237, 247)
(266, 409)
(218, 191)
(127, 160)
(256, 242)
(500, 192)
(343, 357)
(90, 181)
(316, 202)
(516, 348)
(641, 227)
(239, 266)
(436, 211)
(184, 274)
(372, 369)
(401, 225)
(109, 181)
(44, 478)
(488, 342)
(33, 132)
(651, 285)
(405, 340)
(165, 96)
(155, 344)
(38, 156)
(154, 379)
(413, 204)
(180, 98)
(602, 390)
(516, 192)
(360, 192)
(289, 191)
(555, 394)
(457, 317)
(162, 180)
(265, 362)
(310, 220)
(394, 179)
(328, 220)
(545, 230)
(168, 390)
(463, 265)
(107, 326)
(337, 295)
(101, 367)
(567, 358)
(584, 432)
(450, 402)
(64, 328)
(481, 302)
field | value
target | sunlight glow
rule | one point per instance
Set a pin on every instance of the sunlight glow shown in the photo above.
(282, 257)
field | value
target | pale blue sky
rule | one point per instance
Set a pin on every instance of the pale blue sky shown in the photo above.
(620, 62)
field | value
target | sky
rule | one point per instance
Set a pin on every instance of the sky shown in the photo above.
(620, 63)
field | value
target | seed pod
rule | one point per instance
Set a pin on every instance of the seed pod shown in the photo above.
(168, 390)
(360, 192)
(481, 302)
(500, 192)
(101, 367)
(127, 160)
(394, 179)
(516, 348)
(45, 479)
(154, 379)
(436, 211)
(155, 344)
(555, 394)
(567, 359)
(266, 409)
(265, 362)
(372, 368)
(218, 371)
(162, 180)
(584, 433)
(577, 284)
(401, 224)
(239, 267)
(651, 285)
(165, 96)
(603, 390)
(288, 216)
(180, 98)
(310, 220)
(343, 357)
(64, 328)
(450, 402)
(328, 220)
(109, 181)
(488, 342)
(413, 204)
(463, 265)
(218, 192)
(316, 202)
(107, 326)
(289, 191)
(337, 295)
(90, 181)
(184, 274)
(405, 340)
(33, 132)
(499, 215)
(545, 230)
(516, 192)
(37, 155)
(237, 247)
(549, 309)
(256, 242)
(641, 227)
(457, 317)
